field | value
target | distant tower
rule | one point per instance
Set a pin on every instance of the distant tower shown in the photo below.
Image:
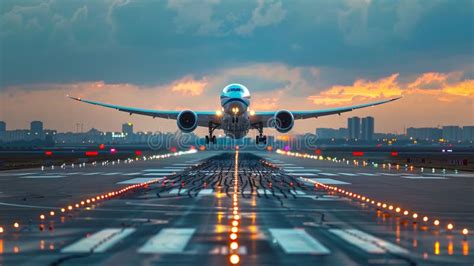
(367, 128)
(127, 129)
(353, 125)
(36, 128)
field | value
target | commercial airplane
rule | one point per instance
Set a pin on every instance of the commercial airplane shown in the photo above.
(235, 117)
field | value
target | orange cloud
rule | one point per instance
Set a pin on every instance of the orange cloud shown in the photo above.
(361, 89)
(444, 87)
(189, 86)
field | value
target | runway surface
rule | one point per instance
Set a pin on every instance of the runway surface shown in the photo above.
(283, 210)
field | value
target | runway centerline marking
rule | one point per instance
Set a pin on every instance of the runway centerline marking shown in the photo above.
(168, 240)
(298, 241)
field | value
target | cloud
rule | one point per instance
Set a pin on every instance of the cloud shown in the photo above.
(188, 86)
(446, 87)
(265, 14)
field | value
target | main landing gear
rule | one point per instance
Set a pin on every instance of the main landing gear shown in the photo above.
(260, 138)
(211, 138)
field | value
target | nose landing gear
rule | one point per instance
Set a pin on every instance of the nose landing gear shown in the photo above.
(212, 138)
(260, 138)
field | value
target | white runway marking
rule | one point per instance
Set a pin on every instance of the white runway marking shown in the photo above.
(98, 242)
(328, 174)
(132, 174)
(95, 173)
(293, 167)
(20, 174)
(302, 170)
(163, 170)
(330, 181)
(75, 173)
(158, 174)
(42, 176)
(367, 242)
(285, 164)
(388, 174)
(206, 192)
(168, 240)
(175, 191)
(347, 174)
(422, 177)
(367, 174)
(116, 173)
(138, 180)
(297, 241)
(302, 174)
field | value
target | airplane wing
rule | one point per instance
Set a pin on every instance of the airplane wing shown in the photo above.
(265, 116)
(204, 116)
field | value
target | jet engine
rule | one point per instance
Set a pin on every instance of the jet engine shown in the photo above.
(187, 121)
(283, 121)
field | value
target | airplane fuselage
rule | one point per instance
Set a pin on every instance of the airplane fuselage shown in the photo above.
(235, 102)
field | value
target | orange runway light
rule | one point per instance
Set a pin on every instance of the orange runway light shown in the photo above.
(405, 213)
(69, 207)
(425, 219)
(52, 213)
(415, 216)
(234, 259)
(234, 229)
(234, 245)
(235, 223)
(63, 210)
(465, 231)
(1, 229)
(436, 222)
(42, 216)
(450, 226)
(16, 225)
(397, 209)
(233, 236)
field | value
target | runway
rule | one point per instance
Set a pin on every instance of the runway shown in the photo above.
(288, 210)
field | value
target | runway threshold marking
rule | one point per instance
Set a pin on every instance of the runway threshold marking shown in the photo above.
(98, 242)
(168, 240)
(298, 241)
(138, 180)
(128, 174)
(206, 192)
(367, 242)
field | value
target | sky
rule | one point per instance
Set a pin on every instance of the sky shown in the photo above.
(296, 55)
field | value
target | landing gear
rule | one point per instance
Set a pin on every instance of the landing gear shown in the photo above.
(211, 138)
(260, 138)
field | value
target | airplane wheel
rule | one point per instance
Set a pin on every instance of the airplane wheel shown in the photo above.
(265, 140)
(207, 139)
(257, 139)
(214, 140)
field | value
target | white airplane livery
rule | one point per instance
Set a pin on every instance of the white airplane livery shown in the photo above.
(236, 117)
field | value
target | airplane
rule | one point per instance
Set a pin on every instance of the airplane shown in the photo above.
(235, 118)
